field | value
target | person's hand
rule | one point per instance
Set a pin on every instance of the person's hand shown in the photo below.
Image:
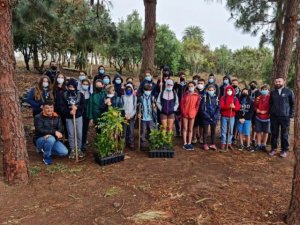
(46, 136)
(232, 105)
(139, 115)
(263, 112)
(41, 107)
(73, 112)
(91, 123)
(258, 111)
(127, 117)
(58, 134)
(108, 102)
(74, 107)
(242, 121)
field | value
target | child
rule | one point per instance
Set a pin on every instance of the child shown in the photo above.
(106, 80)
(147, 113)
(85, 90)
(189, 106)
(118, 84)
(130, 102)
(210, 112)
(198, 124)
(82, 76)
(112, 99)
(262, 119)
(167, 103)
(229, 105)
(73, 107)
(244, 117)
(41, 93)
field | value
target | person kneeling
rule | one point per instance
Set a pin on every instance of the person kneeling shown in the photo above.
(48, 132)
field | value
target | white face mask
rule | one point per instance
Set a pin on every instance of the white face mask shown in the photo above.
(229, 93)
(60, 80)
(110, 95)
(200, 86)
(45, 84)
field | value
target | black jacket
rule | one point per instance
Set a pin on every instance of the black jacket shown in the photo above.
(247, 108)
(282, 105)
(46, 125)
(67, 102)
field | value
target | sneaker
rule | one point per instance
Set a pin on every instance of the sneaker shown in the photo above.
(241, 147)
(47, 161)
(194, 141)
(186, 147)
(191, 147)
(205, 147)
(283, 154)
(249, 148)
(272, 152)
(253, 143)
(80, 153)
(263, 148)
(213, 147)
(72, 154)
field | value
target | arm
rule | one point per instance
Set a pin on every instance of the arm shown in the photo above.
(134, 107)
(31, 100)
(39, 127)
(237, 105)
(158, 103)
(292, 104)
(176, 102)
(203, 111)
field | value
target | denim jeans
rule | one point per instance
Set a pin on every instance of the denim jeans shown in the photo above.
(146, 125)
(224, 124)
(71, 133)
(51, 146)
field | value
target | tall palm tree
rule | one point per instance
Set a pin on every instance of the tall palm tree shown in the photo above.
(194, 33)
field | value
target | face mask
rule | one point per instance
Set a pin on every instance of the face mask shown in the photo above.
(191, 89)
(211, 93)
(148, 78)
(45, 84)
(110, 95)
(211, 80)
(234, 86)
(118, 81)
(169, 88)
(101, 71)
(244, 95)
(182, 83)
(106, 81)
(195, 81)
(229, 93)
(182, 79)
(53, 67)
(85, 87)
(265, 92)
(252, 86)
(82, 77)
(72, 92)
(128, 92)
(98, 89)
(147, 93)
(226, 81)
(60, 80)
(200, 86)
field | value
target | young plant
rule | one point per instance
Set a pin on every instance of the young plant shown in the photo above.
(160, 140)
(110, 141)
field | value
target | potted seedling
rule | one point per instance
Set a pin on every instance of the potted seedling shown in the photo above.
(110, 143)
(161, 144)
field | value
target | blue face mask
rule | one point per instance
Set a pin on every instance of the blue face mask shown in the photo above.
(211, 80)
(118, 81)
(82, 77)
(211, 93)
(226, 81)
(101, 71)
(106, 81)
(85, 87)
(265, 92)
(169, 88)
(128, 92)
(147, 93)
(148, 78)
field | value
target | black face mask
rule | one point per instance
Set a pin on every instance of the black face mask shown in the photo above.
(252, 86)
(72, 92)
(98, 89)
(182, 79)
(53, 67)
(234, 86)
(244, 95)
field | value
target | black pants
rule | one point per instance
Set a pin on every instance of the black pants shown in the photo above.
(85, 128)
(284, 124)
(212, 133)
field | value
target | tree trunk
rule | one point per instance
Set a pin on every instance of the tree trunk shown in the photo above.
(290, 27)
(36, 63)
(148, 39)
(293, 217)
(15, 158)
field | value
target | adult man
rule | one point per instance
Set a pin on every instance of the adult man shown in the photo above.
(282, 101)
(48, 131)
(52, 71)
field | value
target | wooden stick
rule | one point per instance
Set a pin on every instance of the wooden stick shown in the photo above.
(75, 135)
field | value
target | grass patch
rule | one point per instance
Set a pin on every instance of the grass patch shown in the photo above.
(34, 171)
(111, 192)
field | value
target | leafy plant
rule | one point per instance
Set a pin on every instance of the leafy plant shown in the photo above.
(110, 141)
(160, 139)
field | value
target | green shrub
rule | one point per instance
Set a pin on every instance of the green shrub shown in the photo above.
(160, 140)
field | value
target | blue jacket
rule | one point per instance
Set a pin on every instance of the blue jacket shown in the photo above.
(210, 109)
(282, 105)
(141, 88)
(36, 104)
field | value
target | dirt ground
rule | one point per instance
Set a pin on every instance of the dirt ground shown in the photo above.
(193, 188)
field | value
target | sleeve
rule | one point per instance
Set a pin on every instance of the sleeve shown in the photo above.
(198, 103)
(182, 105)
(38, 124)
(60, 127)
(31, 100)
(223, 106)
(80, 106)
(292, 104)
(217, 113)
(158, 102)
(90, 108)
(203, 112)
(64, 106)
(176, 102)
(237, 105)
(134, 107)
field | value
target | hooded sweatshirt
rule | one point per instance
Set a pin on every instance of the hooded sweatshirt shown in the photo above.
(263, 103)
(118, 87)
(225, 102)
(130, 102)
(223, 86)
(190, 104)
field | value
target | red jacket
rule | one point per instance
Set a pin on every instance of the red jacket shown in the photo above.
(189, 104)
(225, 102)
(262, 103)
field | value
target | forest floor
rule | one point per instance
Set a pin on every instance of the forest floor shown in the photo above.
(192, 188)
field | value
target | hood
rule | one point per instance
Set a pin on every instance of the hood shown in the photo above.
(229, 87)
(73, 82)
(117, 75)
(228, 77)
(130, 85)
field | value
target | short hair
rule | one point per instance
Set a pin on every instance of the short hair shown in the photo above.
(211, 86)
(201, 79)
(181, 73)
(253, 82)
(48, 102)
(148, 87)
(86, 80)
(191, 82)
(196, 77)
(211, 75)
(129, 78)
(110, 88)
(148, 70)
(234, 80)
(265, 86)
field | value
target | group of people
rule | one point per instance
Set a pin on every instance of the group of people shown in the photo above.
(62, 107)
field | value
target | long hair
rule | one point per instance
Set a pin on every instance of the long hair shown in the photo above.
(39, 88)
(55, 84)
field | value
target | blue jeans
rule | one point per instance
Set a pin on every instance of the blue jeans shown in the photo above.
(51, 146)
(146, 126)
(71, 133)
(224, 124)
